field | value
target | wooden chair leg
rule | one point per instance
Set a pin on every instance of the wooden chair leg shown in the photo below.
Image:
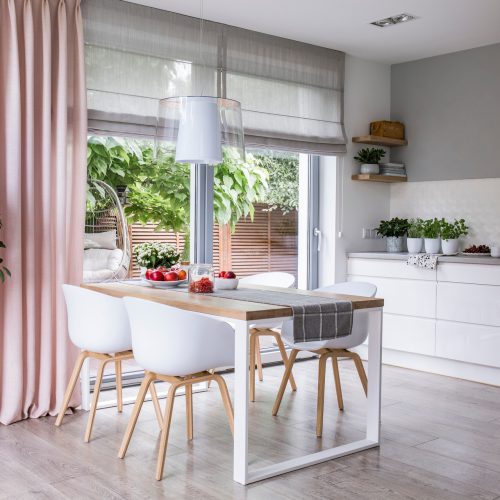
(119, 387)
(284, 357)
(361, 371)
(71, 386)
(146, 382)
(226, 399)
(321, 394)
(209, 383)
(156, 404)
(95, 398)
(284, 381)
(258, 358)
(167, 419)
(252, 365)
(338, 386)
(189, 411)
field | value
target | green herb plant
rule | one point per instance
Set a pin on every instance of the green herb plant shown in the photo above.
(395, 227)
(370, 155)
(453, 230)
(431, 228)
(415, 228)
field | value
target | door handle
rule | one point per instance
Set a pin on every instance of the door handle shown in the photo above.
(317, 234)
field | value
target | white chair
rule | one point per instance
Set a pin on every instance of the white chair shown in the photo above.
(331, 349)
(276, 279)
(178, 347)
(98, 325)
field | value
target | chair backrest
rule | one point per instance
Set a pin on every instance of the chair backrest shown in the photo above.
(171, 341)
(360, 288)
(275, 278)
(96, 322)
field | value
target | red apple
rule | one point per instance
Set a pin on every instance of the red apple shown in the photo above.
(156, 276)
(171, 276)
(230, 275)
(163, 269)
(222, 274)
(181, 274)
(148, 273)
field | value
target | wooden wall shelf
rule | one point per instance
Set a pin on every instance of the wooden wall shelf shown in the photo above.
(378, 178)
(375, 140)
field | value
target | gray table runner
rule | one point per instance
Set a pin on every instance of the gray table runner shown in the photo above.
(315, 318)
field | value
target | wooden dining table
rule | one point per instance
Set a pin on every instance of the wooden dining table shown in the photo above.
(242, 315)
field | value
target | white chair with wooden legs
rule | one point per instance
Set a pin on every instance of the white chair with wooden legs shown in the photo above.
(98, 325)
(270, 329)
(333, 349)
(178, 347)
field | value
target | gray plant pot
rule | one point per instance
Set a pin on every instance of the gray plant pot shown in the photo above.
(394, 244)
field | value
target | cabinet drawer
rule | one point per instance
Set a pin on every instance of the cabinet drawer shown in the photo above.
(469, 273)
(403, 333)
(470, 343)
(388, 269)
(469, 303)
(405, 297)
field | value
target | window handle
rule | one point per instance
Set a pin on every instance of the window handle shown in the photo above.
(317, 234)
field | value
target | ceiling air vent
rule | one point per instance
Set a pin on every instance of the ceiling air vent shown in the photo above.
(390, 21)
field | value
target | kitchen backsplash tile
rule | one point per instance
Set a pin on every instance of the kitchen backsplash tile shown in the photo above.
(475, 200)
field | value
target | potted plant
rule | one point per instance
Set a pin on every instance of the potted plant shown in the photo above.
(151, 255)
(450, 233)
(394, 230)
(369, 159)
(3, 270)
(431, 231)
(415, 236)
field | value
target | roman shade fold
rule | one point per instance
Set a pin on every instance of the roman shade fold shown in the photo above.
(291, 92)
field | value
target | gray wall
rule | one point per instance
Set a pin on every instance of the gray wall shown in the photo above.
(450, 106)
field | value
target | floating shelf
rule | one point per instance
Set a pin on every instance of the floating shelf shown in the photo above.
(378, 178)
(379, 141)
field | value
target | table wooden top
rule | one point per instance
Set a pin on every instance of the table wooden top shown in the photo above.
(217, 306)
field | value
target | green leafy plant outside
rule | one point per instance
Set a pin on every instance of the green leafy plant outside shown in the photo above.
(431, 228)
(395, 227)
(370, 155)
(453, 230)
(415, 228)
(4, 271)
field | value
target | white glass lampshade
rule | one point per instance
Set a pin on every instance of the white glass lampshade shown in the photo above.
(200, 128)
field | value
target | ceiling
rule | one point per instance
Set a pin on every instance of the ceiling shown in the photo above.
(442, 26)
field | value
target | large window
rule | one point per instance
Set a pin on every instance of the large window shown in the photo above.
(259, 231)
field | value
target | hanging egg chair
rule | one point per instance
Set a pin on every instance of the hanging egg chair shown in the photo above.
(106, 244)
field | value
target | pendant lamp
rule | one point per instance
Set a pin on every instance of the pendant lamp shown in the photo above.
(199, 127)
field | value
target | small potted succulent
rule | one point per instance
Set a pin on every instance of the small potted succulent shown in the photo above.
(415, 239)
(394, 230)
(151, 255)
(369, 159)
(3, 270)
(450, 233)
(431, 231)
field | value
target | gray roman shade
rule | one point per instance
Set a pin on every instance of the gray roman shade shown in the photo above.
(291, 92)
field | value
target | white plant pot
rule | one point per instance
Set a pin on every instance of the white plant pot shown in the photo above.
(432, 245)
(414, 245)
(370, 168)
(394, 244)
(143, 272)
(450, 247)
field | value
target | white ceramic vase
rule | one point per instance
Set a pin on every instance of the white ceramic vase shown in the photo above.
(369, 168)
(394, 244)
(414, 245)
(450, 247)
(432, 245)
(143, 272)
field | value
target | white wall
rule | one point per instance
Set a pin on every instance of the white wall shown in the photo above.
(475, 200)
(367, 97)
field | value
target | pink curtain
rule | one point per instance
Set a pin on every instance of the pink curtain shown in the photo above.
(43, 128)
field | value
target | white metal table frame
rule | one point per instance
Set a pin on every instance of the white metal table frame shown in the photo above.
(241, 472)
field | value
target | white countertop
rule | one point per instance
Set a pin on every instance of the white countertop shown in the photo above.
(458, 259)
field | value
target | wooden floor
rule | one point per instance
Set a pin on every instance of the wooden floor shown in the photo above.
(441, 440)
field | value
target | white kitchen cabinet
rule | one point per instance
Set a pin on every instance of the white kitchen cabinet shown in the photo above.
(471, 343)
(445, 320)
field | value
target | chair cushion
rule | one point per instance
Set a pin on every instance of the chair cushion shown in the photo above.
(100, 264)
(106, 239)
